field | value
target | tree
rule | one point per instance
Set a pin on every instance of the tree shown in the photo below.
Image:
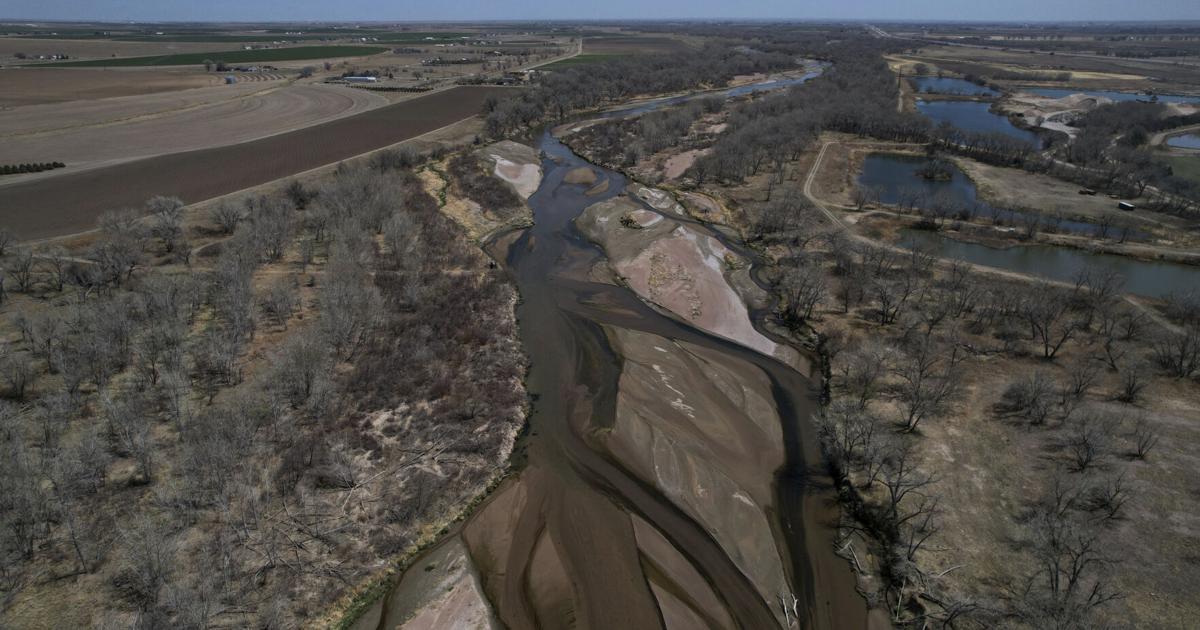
(1030, 396)
(928, 381)
(149, 559)
(279, 301)
(227, 216)
(21, 268)
(801, 291)
(1045, 309)
(58, 264)
(128, 421)
(1144, 437)
(166, 214)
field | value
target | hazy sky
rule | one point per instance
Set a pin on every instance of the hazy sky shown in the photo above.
(283, 10)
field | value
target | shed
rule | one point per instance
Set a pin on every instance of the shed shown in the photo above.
(1125, 205)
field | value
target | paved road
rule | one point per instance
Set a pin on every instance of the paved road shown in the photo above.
(70, 203)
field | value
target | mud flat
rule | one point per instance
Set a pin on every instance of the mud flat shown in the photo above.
(70, 203)
(515, 163)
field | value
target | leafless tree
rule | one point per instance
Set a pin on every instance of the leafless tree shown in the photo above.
(863, 370)
(1030, 396)
(7, 238)
(1132, 378)
(22, 268)
(1081, 377)
(1178, 353)
(1088, 438)
(928, 381)
(227, 216)
(801, 290)
(1144, 437)
(149, 559)
(166, 216)
(279, 301)
(1046, 310)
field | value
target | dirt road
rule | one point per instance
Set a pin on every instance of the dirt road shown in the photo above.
(71, 203)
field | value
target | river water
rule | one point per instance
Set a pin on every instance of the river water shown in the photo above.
(571, 491)
(1185, 141)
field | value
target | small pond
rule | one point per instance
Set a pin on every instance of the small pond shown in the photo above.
(974, 116)
(1186, 141)
(945, 85)
(1152, 279)
(1116, 96)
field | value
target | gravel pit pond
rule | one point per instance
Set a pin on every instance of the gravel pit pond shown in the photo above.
(976, 117)
(894, 176)
(1150, 279)
(670, 477)
(1185, 141)
(946, 85)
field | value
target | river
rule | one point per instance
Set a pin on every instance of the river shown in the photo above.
(564, 542)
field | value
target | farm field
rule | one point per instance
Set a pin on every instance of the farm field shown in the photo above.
(296, 53)
(252, 111)
(33, 86)
(95, 48)
(71, 203)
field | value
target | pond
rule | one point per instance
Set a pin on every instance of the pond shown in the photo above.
(945, 85)
(974, 116)
(1116, 96)
(894, 177)
(1152, 279)
(1186, 141)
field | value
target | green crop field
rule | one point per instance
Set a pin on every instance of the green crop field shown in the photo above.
(234, 56)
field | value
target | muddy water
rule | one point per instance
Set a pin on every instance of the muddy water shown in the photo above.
(555, 546)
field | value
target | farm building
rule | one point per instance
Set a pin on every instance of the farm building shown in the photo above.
(1125, 205)
(361, 80)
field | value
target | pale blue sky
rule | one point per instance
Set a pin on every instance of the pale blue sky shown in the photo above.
(331, 10)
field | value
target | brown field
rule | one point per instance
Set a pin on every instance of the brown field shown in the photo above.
(47, 117)
(631, 44)
(71, 203)
(224, 122)
(31, 86)
(97, 48)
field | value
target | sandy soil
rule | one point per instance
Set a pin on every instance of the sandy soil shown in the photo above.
(31, 86)
(702, 428)
(516, 164)
(70, 203)
(582, 175)
(678, 164)
(227, 121)
(445, 593)
(672, 265)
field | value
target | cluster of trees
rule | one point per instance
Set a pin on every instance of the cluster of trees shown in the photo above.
(624, 141)
(1096, 356)
(561, 92)
(223, 438)
(477, 184)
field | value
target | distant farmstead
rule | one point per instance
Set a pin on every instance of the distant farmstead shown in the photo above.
(361, 79)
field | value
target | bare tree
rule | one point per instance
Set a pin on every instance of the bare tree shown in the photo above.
(1131, 380)
(1030, 396)
(801, 290)
(227, 216)
(1179, 353)
(166, 215)
(1081, 377)
(1144, 437)
(1046, 310)
(928, 381)
(149, 559)
(1087, 439)
(863, 370)
(7, 238)
(22, 267)
(279, 301)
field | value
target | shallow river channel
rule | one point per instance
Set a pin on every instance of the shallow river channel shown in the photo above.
(585, 534)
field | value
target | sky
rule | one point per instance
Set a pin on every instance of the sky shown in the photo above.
(475, 10)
